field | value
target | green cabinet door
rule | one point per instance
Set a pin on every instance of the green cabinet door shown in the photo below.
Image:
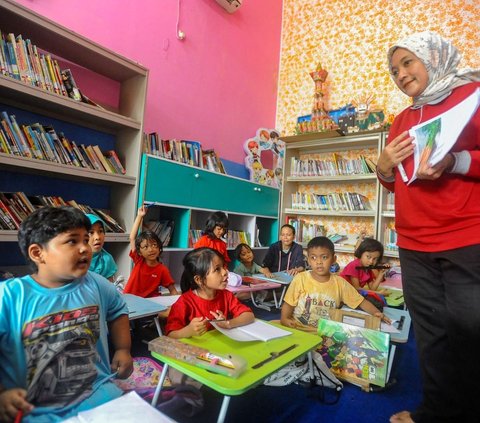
(168, 182)
(219, 192)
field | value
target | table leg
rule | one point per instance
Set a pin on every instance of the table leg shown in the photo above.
(310, 365)
(158, 389)
(277, 304)
(391, 356)
(281, 296)
(223, 409)
(157, 324)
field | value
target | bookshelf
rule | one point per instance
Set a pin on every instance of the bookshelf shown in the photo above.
(328, 185)
(116, 127)
(386, 225)
(187, 195)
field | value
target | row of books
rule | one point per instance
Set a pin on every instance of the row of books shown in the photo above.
(338, 201)
(163, 228)
(182, 151)
(22, 60)
(390, 237)
(305, 231)
(337, 166)
(43, 143)
(16, 206)
(233, 238)
(390, 203)
(188, 152)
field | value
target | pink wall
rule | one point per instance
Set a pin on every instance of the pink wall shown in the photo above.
(218, 86)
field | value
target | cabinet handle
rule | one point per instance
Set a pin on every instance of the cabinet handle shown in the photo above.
(197, 175)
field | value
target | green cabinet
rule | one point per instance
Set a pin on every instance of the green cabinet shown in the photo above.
(173, 183)
(187, 195)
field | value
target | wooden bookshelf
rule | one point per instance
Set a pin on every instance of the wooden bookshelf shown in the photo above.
(123, 122)
(345, 218)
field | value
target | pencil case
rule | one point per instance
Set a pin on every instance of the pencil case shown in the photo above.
(228, 365)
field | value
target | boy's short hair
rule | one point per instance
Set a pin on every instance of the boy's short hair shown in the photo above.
(218, 218)
(321, 242)
(149, 236)
(287, 225)
(238, 249)
(371, 245)
(45, 224)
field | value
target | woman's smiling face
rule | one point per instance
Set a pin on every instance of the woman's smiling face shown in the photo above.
(409, 72)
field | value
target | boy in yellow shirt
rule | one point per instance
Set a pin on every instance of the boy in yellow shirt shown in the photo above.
(312, 293)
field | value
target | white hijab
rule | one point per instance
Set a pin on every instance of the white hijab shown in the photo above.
(440, 58)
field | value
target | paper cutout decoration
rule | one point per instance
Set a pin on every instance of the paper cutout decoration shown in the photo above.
(264, 160)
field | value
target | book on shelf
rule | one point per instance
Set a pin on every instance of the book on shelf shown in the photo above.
(212, 162)
(163, 228)
(70, 85)
(256, 331)
(112, 156)
(105, 164)
(436, 137)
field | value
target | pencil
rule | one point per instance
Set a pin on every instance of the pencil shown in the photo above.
(18, 417)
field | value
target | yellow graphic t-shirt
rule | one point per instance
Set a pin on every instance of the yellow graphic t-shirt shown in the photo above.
(313, 299)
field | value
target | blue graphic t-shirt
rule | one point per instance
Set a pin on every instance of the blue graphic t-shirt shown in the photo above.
(54, 340)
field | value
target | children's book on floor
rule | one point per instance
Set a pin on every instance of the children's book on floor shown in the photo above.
(256, 331)
(354, 354)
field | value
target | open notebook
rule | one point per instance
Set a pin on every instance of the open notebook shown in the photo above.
(256, 331)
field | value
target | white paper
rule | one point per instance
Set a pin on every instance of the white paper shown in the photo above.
(126, 409)
(165, 300)
(256, 331)
(450, 123)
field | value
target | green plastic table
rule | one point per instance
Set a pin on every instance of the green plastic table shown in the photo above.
(254, 352)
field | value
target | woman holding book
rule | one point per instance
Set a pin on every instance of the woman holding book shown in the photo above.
(437, 218)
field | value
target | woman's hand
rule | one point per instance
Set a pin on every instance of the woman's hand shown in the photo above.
(394, 153)
(425, 171)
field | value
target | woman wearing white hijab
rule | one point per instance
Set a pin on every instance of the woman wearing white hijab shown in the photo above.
(437, 218)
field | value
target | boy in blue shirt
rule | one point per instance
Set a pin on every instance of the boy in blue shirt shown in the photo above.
(53, 324)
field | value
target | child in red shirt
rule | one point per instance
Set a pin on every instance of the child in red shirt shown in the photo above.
(205, 298)
(148, 274)
(216, 228)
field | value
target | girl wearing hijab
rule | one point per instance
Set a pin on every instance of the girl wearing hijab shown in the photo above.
(437, 219)
(102, 261)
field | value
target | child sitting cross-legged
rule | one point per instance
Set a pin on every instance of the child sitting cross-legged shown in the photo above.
(312, 293)
(54, 324)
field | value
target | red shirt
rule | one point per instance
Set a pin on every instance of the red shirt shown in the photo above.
(145, 280)
(190, 305)
(364, 276)
(215, 244)
(442, 214)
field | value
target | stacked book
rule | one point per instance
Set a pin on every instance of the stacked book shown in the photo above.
(42, 142)
(16, 206)
(306, 230)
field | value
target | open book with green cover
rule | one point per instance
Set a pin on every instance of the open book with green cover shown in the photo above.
(436, 137)
(256, 331)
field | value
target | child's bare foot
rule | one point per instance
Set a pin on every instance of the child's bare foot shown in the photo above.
(402, 417)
